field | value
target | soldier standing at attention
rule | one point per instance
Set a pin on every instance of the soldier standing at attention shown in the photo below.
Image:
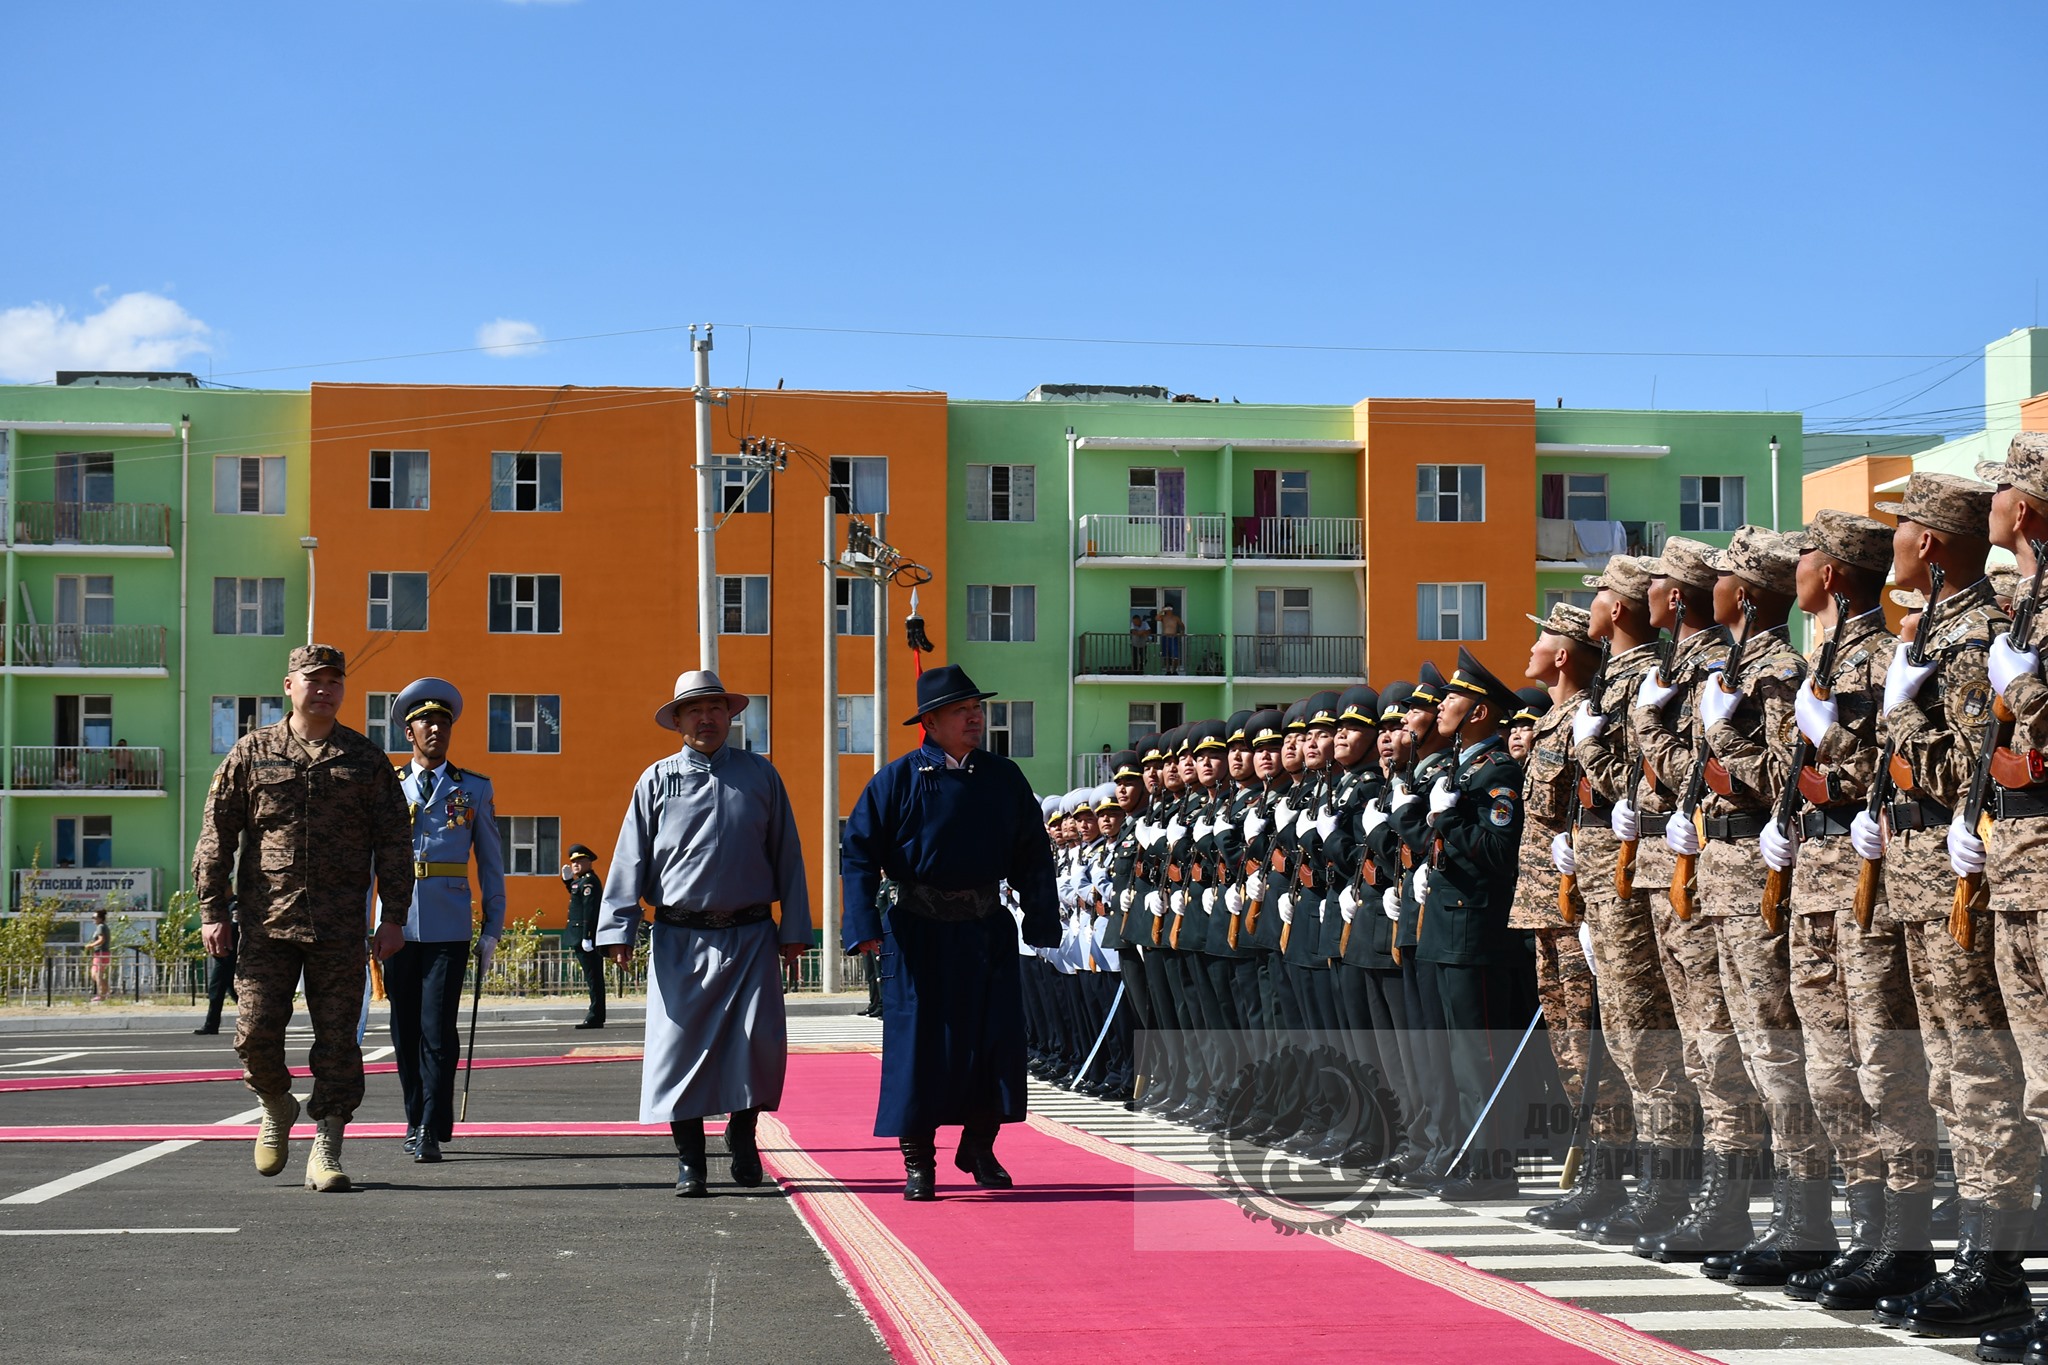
(586, 895)
(310, 810)
(453, 816)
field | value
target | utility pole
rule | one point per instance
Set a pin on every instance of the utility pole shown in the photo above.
(707, 506)
(828, 948)
(881, 705)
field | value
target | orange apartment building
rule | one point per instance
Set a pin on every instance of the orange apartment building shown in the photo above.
(537, 548)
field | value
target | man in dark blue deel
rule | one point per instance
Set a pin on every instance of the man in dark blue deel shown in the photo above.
(945, 824)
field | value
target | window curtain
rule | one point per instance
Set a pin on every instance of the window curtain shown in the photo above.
(1553, 496)
(1265, 492)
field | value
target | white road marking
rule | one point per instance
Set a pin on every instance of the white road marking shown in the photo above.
(106, 1232)
(1658, 1287)
(45, 1061)
(378, 1054)
(1758, 1319)
(49, 1190)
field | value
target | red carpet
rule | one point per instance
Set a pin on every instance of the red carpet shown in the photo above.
(14, 1083)
(1061, 1268)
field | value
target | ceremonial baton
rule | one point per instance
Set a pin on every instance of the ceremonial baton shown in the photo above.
(476, 999)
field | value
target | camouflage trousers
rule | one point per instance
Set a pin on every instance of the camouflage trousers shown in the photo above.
(1636, 1013)
(1731, 1114)
(2023, 978)
(267, 972)
(1564, 988)
(1755, 971)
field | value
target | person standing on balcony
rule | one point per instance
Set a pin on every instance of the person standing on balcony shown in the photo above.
(454, 816)
(1170, 628)
(1141, 640)
(586, 891)
(710, 842)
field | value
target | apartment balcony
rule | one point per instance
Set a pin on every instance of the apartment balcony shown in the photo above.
(1562, 545)
(1324, 660)
(1112, 656)
(1338, 658)
(118, 770)
(118, 529)
(1299, 538)
(1103, 540)
(1134, 541)
(89, 651)
(1091, 769)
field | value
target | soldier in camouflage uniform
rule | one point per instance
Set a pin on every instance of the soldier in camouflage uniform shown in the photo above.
(1933, 715)
(299, 817)
(1563, 660)
(1637, 1019)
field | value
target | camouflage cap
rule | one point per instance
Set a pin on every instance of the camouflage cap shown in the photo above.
(1568, 621)
(2005, 581)
(1684, 560)
(1912, 599)
(310, 658)
(1760, 557)
(1945, 502)
(1625, 576)
(1861, 542)
(2025, 465)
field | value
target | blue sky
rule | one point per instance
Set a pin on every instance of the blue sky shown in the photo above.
(289, 186)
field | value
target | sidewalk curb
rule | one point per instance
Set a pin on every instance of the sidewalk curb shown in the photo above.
(568, 1011)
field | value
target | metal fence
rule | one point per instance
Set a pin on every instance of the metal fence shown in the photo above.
(129, 646)
(1152, 656)
(102, 768)
(92, 523)
(1301, 537)
(1116, 537)
(1299, 656)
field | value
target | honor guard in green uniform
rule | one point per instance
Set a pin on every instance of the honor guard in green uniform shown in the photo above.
(586, 894)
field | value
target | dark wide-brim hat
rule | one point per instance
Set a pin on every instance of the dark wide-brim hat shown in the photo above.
(943, 686)
(700, 682)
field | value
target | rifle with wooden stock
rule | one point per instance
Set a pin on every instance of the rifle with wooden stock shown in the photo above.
(1625, 859)
(1894, 772)
(1996, 763)
(1778, 884)
(1568, 898)
(1692, 802)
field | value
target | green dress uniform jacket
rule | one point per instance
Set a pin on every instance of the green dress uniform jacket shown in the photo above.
(1472, 885)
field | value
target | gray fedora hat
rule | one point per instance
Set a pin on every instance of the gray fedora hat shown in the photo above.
(701, 682)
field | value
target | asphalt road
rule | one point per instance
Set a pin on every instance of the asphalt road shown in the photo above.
(510, 1250)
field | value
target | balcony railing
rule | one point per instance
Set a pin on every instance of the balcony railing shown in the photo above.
(1115, 652)
(1300, 537)
(119, 768)
(89, 646)
(92, 523)
(1299, 656)
(1091, 769)
(1111, 537)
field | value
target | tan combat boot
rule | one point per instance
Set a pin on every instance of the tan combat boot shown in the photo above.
(323, 1167)
(273, 1137)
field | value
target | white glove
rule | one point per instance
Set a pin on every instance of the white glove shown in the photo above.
(1442, 796)
(1177, 901)
(1175, 831)
(1866, 836)
(1255, 886)
(1375, 816)
(2007, 663)
(1283, 814)
(1403, 794)
(1586, 723)
(1156, 903)
(1561, 855)
(1286, 907)
(1627, 826)
(1390, 902)
(1652, 692)
(1717, 703)
(1128, 899)
(1347, 903)
(1254, 824)
(588, 946)
(1815, 717)
(1680, 834)
(1780, 850)
(1422, 880)
(1586, 945)
(1965, 850)
(1326, 823)
(1210, 895)
(486, 950)
(1902, 681)
(1233, 901)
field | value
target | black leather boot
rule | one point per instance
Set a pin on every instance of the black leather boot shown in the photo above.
(920, 1166)
(1902, 1264)
(746, 1153)
(1866, 1234)
(1719, 1220)
(977, 1157)
(1801, 1238)
(689, 1140)
(2022, 1343)
(1596, 1192)
(1715, 1265)
(1658, 1205)
(1984, 1290)
(1485, 1175)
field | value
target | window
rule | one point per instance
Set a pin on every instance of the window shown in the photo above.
(526, 604)
(1144, 493)
(1450, 611)
(750, 727)
(522, 481)
(853, 606)
(1293, 490)
(1009, 729)
(398, 479)
(1003, 613)
(1002, 492)
(856, 721)
(252, 484)
(398, 601)
(84, 599)
(1450, 492)
(1284, 611)
(85, 478)
(248, 606)
(234, 717)
(1575, 597)
(860, 484)
(1585, 497)
(1149, 602)
(1709, 502)
(85, 722)
(733, 493)
(85, 841)
(533, 844)
(525, 724)
(1155, 717)
(383, 726)
(743, 604)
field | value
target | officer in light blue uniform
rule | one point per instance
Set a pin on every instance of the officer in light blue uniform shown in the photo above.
(453, 819)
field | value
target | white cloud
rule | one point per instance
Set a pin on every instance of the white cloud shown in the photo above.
(139, 331)
(508, 337)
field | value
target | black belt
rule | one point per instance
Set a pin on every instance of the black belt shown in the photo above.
(1729, 828)
(2018, 805)
(1590, 816)
(951, 907)
(1821, 822)
(710, 919)
(1917, 812)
